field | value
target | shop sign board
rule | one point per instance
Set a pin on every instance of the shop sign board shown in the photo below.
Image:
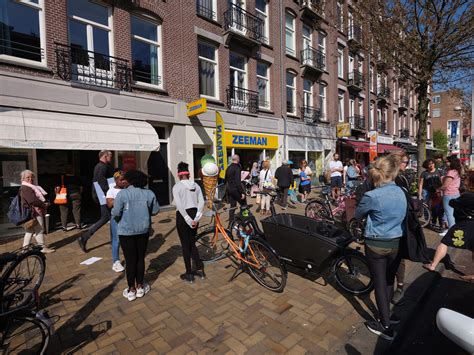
(384, 140)
(221, 148)
(196, 107)
(372, 145)
(251, 140)
(343, 130)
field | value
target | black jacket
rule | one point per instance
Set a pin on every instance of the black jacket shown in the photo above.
(284, 175)
(102, 172)
(232, 179)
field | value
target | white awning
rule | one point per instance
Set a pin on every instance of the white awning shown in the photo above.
(51, 130)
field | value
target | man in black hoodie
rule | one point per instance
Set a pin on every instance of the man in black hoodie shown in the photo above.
(285, 179)
(234, 190)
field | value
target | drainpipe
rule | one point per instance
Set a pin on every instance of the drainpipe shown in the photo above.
(283, 81)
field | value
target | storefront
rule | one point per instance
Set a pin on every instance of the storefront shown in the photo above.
(359, 149)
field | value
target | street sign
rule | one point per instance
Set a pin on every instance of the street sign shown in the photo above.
(196, 107)
(343, 130)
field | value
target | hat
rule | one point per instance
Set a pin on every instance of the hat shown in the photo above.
(290, 162)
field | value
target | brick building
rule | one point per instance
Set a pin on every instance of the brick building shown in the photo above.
(78, 76)
(449, 115)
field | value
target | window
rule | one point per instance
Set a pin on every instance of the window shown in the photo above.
(22, 34)
(207, 8)
(394, 131)
(436, 99)
(307, 93)
(208, 70)
(322, 42)
(436, 112)
(146, 51)
(351, 63)
(340, 15)
(290, 93)
(307, 32)
(263, 85)
(261, 9)
(372, 116)
(428, 130)
(322, 99)
(371, 77)
(340, 62)
(410, 125)
(361, 107)
(360, 65)
(290, 33)
(238, 73)
(340, 106)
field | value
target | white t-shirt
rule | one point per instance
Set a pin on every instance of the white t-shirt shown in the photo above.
(112, 192)
(308, 171)
(335, 164)
(269, 177)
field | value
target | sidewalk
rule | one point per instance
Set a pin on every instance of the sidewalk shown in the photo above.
(209, 316)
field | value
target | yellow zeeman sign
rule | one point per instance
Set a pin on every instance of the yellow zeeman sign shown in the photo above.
(221, 148)
(250, 140)
(196, 107)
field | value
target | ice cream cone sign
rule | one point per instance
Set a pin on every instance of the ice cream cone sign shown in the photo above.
(210, 176)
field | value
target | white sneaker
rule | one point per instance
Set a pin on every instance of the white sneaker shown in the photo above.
(442, 234)
(130, 295)
(142, 291)
(117, 266)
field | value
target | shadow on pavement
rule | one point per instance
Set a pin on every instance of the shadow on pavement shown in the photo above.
(48, 298)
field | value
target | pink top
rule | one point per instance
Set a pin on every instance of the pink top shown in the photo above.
(453, 187)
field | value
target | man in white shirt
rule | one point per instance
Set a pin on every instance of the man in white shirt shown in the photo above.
(336, 169)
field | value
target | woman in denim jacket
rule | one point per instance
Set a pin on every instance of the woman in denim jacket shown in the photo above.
(385, 208)
(133, 208)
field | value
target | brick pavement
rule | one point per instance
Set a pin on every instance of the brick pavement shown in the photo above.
(209, 316)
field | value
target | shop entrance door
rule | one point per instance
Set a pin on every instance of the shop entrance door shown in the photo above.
(159, 174)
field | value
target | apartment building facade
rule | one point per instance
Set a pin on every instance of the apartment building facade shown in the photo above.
(449, 115)
(77, 76)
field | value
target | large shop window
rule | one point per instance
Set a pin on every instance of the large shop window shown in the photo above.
(90, 36)
(146, 51)
(22, 30)
(290, 93)
(208, 73)
(263, 85)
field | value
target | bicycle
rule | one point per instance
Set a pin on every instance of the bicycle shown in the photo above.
(249, 254)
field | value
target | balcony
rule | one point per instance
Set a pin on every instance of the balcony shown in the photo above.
(383, 94)
(403, 103)
(382, 126)
(355, 81)
(92, 69)
(312, 10)
(355, 36)
(311, 115)
(357, 122)
(313, 62)
(242, 100)
(404, 133)
(242, 29)
(205, 9)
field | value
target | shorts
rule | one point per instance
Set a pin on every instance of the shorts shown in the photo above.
(336, 181)
(304, 189)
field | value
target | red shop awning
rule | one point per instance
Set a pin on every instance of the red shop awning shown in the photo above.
(386, 148)
(363, 147)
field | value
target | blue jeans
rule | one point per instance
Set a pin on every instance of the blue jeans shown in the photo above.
(425, 195)
(448, 210)
(114, 239)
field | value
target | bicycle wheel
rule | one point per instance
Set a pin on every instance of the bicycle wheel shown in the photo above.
(209, 251)
(317, 210)
(424, 215)
(271, 273)
(356, 229)
(24, 277)
(25, 335)
(246, 226)
(352, 273)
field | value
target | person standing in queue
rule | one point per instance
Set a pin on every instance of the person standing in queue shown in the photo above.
(189, 202)
(114, 238)
(234, 190)
(385, 208)
(133, 208)
(336, 169)
(284, 177)
(102, 171)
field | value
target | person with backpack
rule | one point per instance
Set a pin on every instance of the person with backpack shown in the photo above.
(429, 181)
(266, 185)
(32, 197)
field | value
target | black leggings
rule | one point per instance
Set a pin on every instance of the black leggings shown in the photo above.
(383, 264)
(187, 236)
(134, 249)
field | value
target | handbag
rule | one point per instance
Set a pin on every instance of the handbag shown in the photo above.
(61, 196)
(30, 224)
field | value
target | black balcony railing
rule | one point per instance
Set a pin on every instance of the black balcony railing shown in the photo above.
(238, 20)
(242, 100)
(355, 33)
(145, 76)
(205, 8)
(313, 58)
(357, 122)
(356, 79)
(29, 48)
(311, 114)
(381, 126)
(404, 133)
(403, 102)
(383, 92)
(91, 68)
(315, 6)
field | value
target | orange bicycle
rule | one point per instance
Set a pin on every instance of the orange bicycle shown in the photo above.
(249, 254)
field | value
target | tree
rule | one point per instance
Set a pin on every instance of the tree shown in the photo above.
(440, 141)
(426, 42)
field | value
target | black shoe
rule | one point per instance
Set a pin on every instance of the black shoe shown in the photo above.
(199, 273)
(377, 328)
(187, 278)
(394, 319)
(82, 244)
(398, 295)
(64, 229)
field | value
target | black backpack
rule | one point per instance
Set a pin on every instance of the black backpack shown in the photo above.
(16, 214)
